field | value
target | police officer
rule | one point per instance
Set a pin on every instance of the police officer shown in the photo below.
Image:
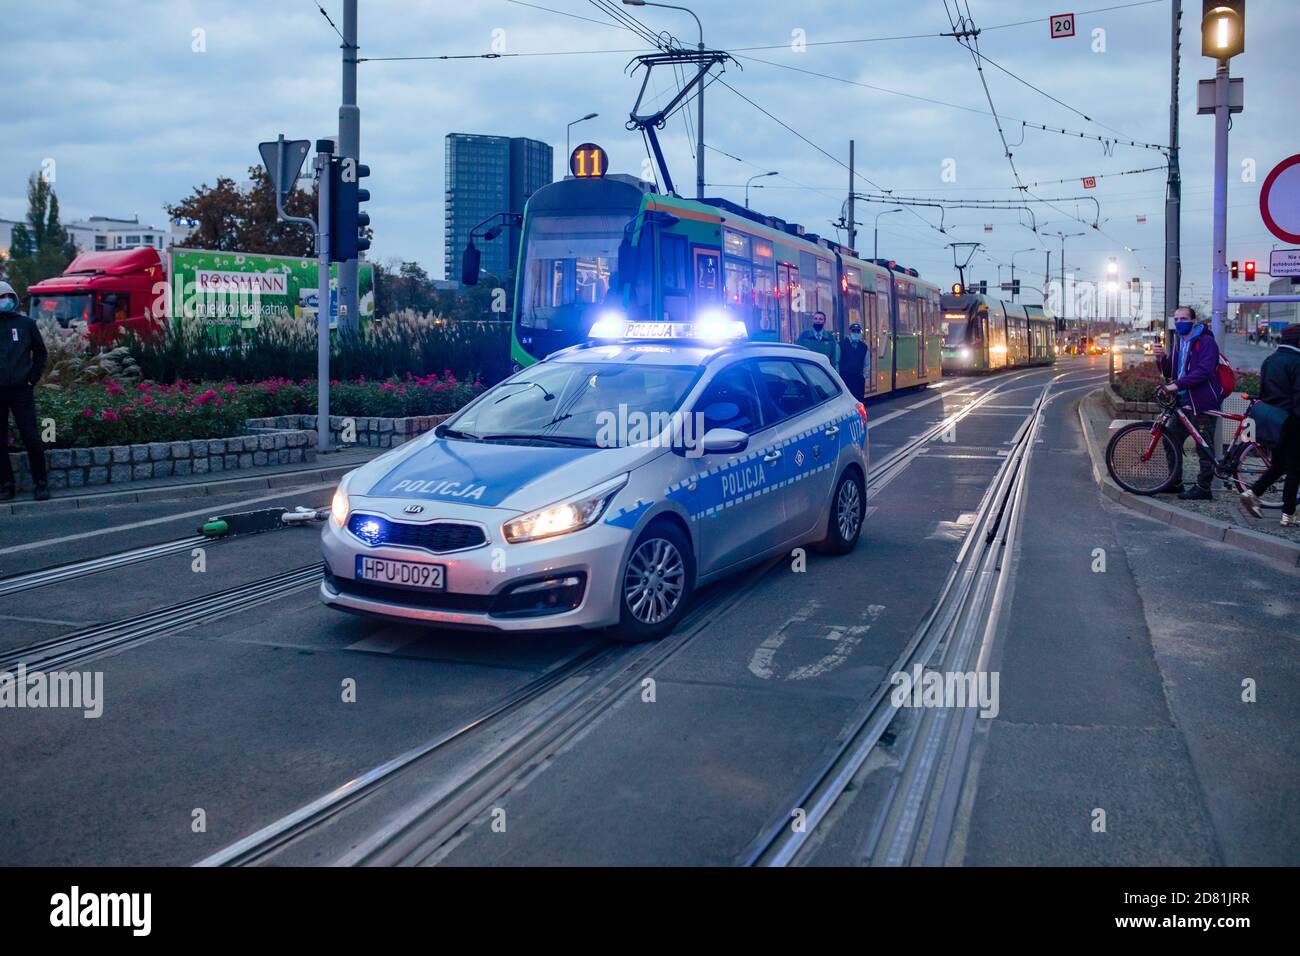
(22, 362)
(819, 340)
(853, 362)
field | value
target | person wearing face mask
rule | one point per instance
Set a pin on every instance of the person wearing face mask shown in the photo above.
(853, 362)
(22, 362)
(1193, 372)
(819, 340)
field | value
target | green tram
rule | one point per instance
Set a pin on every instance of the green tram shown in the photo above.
(591, 247)
(981, 334)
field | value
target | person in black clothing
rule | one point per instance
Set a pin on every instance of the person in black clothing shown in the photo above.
(1279, 386)
(22, 363)
(853, 362)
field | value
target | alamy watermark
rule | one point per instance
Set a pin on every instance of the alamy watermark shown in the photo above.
(76, 690)
(946, 689)
(677, 430)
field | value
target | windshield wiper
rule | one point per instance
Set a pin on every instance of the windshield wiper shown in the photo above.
(557, 439)
(453, 433)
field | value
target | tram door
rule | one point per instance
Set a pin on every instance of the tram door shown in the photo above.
(787, 277)
(871, 336)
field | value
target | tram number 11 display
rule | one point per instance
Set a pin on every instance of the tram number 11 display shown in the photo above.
(588, 161)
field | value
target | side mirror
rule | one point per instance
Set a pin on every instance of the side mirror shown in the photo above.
(724, 441)
(469, 265)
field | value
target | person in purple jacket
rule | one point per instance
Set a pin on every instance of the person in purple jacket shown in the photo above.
(1193, 372)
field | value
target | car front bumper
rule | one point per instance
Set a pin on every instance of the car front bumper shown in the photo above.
(483, 583)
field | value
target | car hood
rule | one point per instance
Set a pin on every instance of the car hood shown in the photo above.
(490, 474)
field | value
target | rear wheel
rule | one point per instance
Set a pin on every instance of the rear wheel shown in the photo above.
(1133, 469)
(848, 507)
(655, 585)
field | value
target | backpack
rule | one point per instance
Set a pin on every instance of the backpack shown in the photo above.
(1227, 377)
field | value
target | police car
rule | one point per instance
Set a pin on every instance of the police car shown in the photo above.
(601, 486)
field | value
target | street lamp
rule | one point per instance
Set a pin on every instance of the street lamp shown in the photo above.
(1112, 285)
(1014, 291)
(875, 241)
(699, 146)
(1223, 36)
(580, 119)
(751, 179)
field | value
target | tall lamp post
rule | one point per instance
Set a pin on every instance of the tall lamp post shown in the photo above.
(699, 146)
(751, 179)
(1013, 268)
(875, 241)
(1112, 286)
(580, 119)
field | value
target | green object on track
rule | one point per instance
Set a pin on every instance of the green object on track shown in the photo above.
(215, 528)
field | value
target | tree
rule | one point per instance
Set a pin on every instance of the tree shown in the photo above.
(41, 247)
(234, 218)
(403, 285)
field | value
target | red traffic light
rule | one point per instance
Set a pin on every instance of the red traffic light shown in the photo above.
(1250, 270)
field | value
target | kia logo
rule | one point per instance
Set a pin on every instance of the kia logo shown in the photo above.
(413, 509)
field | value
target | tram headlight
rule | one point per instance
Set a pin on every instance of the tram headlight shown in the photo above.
(965, 355)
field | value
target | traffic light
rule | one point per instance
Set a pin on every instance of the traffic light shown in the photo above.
(1236, 272)
(1015, 287)
(1223, 28)
(1250, 270)
(348, 224)
(984, 287)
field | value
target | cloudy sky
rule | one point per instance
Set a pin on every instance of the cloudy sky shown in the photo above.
(139, 101)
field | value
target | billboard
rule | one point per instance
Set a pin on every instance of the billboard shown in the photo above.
(241, 288)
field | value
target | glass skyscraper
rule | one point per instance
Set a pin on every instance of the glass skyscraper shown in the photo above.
(487, 175)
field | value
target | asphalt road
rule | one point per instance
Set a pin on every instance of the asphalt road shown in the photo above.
(1121, 690)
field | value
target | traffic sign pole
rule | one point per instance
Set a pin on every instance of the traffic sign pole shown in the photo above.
(324, 155)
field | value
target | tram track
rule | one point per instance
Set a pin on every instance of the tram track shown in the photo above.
(582, 689)
(79, 646)
(75, 569)
(917, 815)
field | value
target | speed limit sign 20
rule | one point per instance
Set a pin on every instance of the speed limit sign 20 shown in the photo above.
(1062, 26)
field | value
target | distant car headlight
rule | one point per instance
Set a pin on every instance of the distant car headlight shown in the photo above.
(339, 507)
(565, 516)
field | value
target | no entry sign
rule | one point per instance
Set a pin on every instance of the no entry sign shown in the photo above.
(1279, 200)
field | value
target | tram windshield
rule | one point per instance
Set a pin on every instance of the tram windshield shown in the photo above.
(569, 261)
(956, 331)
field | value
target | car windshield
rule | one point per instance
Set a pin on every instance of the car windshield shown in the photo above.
(571, 403)
(568, 262)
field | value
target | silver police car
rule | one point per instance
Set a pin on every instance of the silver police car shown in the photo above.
(599, 487)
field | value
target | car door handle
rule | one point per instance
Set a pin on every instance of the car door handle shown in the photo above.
(832, 431)
(769, 458)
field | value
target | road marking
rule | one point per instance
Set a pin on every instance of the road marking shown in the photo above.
(227, 506)
(903, 411)
(845, 637)
(387, 641)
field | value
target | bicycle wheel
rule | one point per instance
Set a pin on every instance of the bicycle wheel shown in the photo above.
(1135, 470)
(1254, 461)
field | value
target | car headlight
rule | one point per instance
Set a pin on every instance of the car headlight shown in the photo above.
(565, 516)
(339, 507)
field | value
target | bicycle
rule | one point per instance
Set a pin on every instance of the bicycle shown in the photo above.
(1144, 460)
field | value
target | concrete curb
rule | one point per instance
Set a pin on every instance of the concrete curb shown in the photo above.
(1255, 542)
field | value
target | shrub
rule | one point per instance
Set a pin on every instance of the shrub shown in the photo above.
(73, 361)
(1138, 383)
(400, 344)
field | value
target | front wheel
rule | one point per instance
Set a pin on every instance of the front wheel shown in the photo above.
(1142, 464)
(655, 585)
(844, 525)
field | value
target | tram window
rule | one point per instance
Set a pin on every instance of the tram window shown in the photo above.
(731, 401)
(826, 302)
(739, 280)
(782, 390)
(672, 260)
(823, 385)
(735, 243)
(766, 299)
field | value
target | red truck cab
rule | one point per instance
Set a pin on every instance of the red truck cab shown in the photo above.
(107, 292)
